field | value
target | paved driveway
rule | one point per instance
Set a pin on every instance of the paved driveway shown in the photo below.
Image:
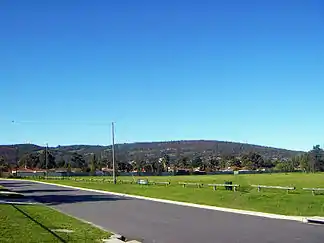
(166, 223)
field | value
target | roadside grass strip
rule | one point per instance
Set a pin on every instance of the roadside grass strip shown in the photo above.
(36, 223)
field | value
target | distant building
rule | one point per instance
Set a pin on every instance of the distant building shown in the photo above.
(28, 172)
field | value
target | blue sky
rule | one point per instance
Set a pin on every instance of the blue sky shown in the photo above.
(245, 71)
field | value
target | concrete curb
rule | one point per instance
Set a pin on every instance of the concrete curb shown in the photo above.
(18, 203)
(10, 194)
(114, 235)
(315, 220)
(228, 210)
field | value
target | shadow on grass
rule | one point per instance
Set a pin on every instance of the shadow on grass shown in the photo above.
(280, 192)
(293, 193)
(274, 191)
(41, 225)
(245, 189)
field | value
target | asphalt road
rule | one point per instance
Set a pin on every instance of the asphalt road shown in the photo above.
(154, 222)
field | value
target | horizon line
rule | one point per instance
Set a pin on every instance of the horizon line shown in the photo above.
(157, 141)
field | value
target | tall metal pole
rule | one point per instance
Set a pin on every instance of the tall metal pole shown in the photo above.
(17, 158)
(16, 148)
(46, 159)
(113, 151)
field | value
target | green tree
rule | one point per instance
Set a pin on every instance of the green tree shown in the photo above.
(93, 165)
(30, 160)
(196, 162)
(268, 163)
(304, 162)
(16, 157)
(223, 163)
(183, 162)
(235, 162)
(100, 163)
(68, 167)
(40, 162)
(285, 166)
(139, 162)
(24, 161)
(165, 162)
(148, 167)
(214, 163)
(50, 161)
(295, 161)
(316, 159)
(129, 167)
(122, 166)
(248, 164)
(61, 163)
(139, 165)
(227, 160)
(4, 166)
(105, 162)
(253, 160)
(156, 167)
(78, 162)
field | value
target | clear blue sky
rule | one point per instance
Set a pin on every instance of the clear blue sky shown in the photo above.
(246, 71)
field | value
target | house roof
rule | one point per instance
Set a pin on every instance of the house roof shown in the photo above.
(28, 170)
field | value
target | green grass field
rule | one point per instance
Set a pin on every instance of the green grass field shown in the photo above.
(298, 202)
(29, 224)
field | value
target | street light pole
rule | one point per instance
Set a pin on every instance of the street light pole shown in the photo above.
(16, 149)
(113, 151)
(46, 159)
(17, 157)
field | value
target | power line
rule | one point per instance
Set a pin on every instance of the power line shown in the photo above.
(90, 123)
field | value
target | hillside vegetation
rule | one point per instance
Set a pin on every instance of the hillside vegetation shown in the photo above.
(149, 150)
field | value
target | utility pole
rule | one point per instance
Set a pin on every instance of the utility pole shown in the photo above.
(17, 158)
(113, 151)
(46, 159)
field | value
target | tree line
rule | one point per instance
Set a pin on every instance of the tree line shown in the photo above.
(312, 161)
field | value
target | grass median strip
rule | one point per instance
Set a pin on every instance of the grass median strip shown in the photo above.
(29, 224)
(298, 202)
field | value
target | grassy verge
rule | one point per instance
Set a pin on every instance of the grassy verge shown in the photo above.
(298, 202)
(29, 224)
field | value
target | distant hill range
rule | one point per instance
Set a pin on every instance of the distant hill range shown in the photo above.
(151, 150)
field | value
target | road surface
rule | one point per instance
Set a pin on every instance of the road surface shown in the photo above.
(154, 222)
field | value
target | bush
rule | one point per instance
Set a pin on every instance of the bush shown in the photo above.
(284, 167)
(183, 172)
(14, 176)
(199, 173)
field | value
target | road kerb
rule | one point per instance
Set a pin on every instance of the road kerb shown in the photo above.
(315, 220)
